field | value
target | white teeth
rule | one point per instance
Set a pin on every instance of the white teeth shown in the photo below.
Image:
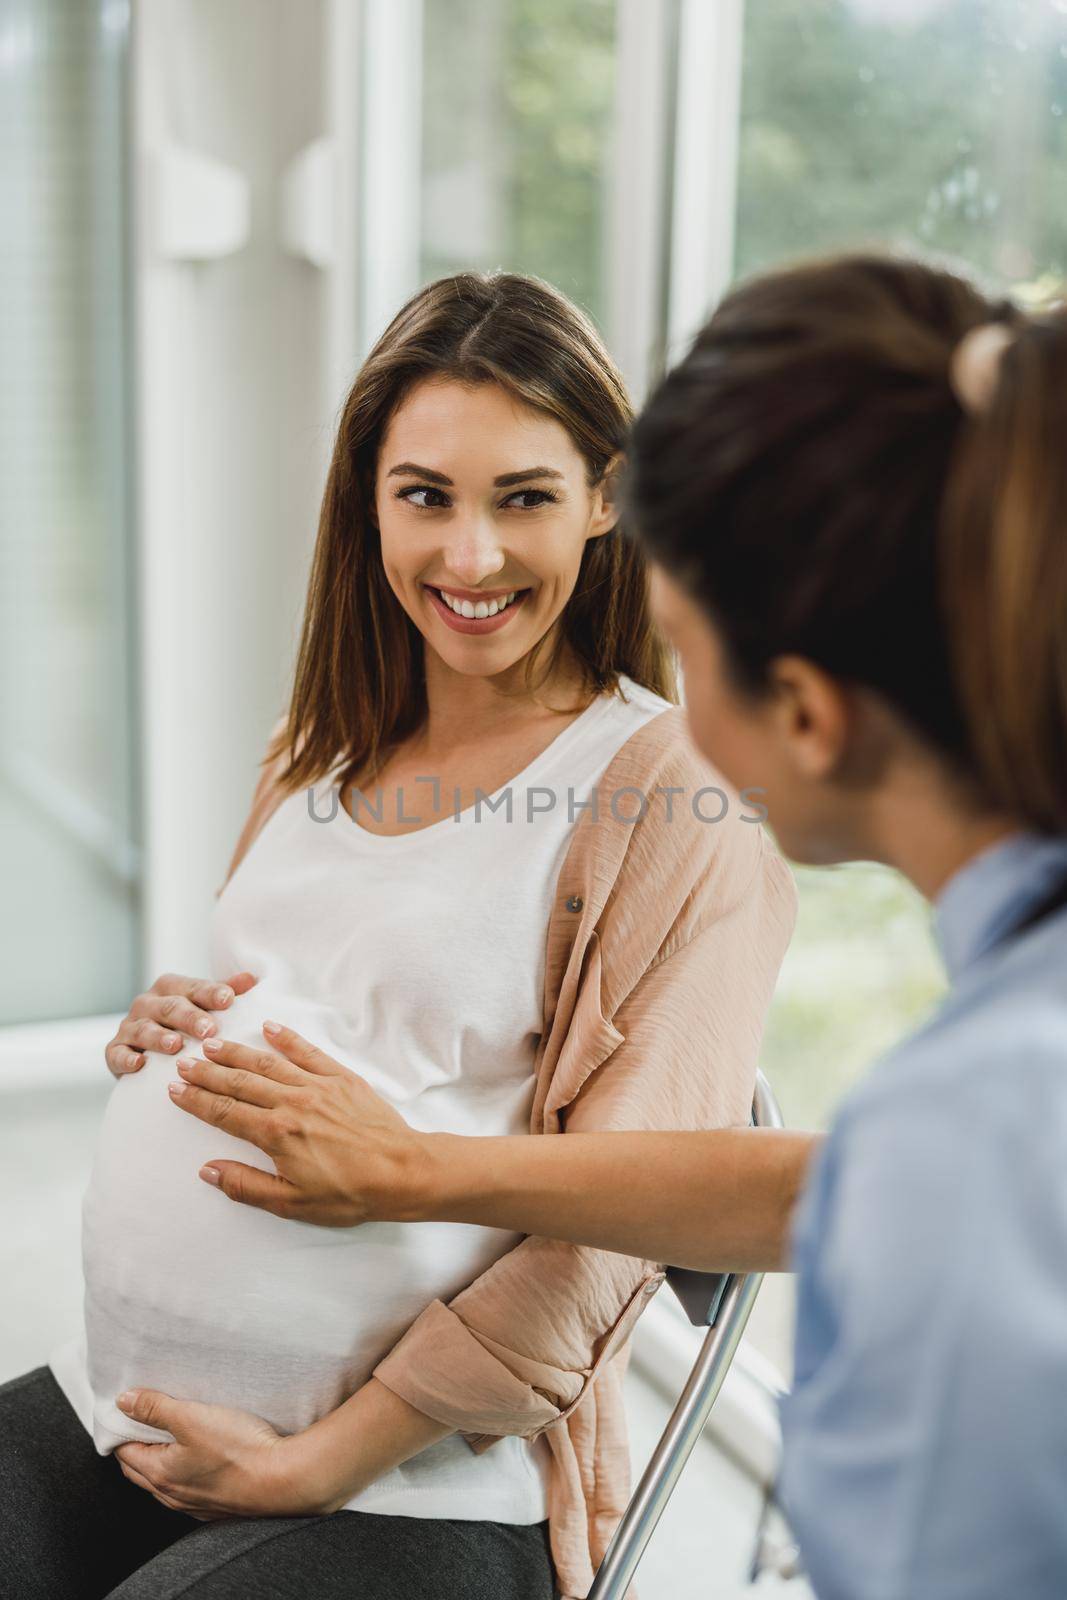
(466, 608)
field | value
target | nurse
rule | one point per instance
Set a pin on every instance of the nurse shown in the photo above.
(854, 493)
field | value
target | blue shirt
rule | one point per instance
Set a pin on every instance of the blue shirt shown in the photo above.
(925, 1440)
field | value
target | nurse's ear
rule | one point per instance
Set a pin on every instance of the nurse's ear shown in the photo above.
(814, 716)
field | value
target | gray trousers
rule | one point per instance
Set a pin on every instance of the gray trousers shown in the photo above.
(72, 1527)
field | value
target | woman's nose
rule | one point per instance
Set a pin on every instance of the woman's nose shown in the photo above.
(475, 554)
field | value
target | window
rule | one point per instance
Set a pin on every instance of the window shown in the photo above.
(937, 127)
(517, 118)
(68, 858)
(932, 125)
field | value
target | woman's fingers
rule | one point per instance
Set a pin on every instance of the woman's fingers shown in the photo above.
(165, 1499)
(175, 1006)
(185, 1004)
(144, 1483)
(121, 1058)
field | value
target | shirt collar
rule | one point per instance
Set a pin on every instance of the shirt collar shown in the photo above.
(984, 897)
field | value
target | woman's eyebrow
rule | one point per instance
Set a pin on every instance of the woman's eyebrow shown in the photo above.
(501, 482)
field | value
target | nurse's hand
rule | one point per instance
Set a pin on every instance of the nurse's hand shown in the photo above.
(224, 1463)
(160, 1017)
(341, 1154)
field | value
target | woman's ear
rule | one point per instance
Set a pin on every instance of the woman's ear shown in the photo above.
(605, 512)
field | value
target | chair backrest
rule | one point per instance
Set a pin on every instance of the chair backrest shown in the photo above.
(721, 1302)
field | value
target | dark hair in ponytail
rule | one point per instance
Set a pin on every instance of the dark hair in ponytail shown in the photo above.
(808, 474)
(1004, 569)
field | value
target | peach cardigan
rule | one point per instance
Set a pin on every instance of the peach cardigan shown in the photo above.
(663, 948)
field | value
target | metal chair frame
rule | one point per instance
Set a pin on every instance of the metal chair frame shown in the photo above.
(721, 1302)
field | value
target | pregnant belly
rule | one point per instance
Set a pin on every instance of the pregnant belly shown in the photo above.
(207, 1299)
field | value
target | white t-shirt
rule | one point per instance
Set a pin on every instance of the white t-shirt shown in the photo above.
(418, 960)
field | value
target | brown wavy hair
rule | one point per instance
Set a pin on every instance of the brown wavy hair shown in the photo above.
(359, 682)
(808, 474)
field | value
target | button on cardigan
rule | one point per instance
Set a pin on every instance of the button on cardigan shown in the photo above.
(663, 947)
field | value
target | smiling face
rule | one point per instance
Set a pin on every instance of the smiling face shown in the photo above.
(484, 511)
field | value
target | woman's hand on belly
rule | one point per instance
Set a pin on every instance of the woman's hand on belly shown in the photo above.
(225, 1463)
(159, 1018)
(343, 1156)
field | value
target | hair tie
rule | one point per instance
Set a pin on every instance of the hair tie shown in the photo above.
(974, 365)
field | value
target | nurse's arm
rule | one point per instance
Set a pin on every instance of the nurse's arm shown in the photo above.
(716, 1200)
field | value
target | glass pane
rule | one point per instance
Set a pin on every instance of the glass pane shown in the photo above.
(933, 125)
(937, 127)
(862, 970)
(940, 127)
(67, 822)
(517, 115)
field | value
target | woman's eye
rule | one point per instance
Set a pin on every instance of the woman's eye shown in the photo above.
(406, 494)
(541, 497)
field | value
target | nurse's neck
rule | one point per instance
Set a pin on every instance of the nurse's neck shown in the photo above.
(928, 826)
(897, 800)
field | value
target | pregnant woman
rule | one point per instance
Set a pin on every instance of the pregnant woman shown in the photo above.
(485, 871)
(890, 657)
